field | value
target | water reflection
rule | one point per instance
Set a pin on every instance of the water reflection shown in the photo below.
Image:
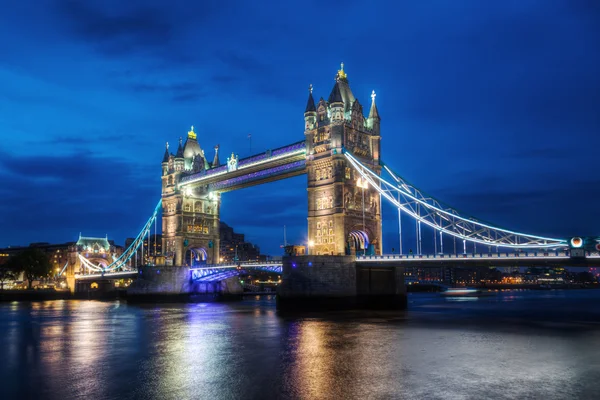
(514, 345)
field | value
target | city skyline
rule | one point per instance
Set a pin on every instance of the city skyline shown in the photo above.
(494, 112)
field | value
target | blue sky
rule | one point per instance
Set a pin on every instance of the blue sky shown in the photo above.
(493, 107)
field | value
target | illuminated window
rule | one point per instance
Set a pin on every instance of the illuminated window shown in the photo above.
(348, 173)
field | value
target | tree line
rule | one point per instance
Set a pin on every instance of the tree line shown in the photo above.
(32, 262)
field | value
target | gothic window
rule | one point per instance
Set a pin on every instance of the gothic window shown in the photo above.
(331, 224)
(186, 207)
(319, 204)
(330, 202)
(329, 172)
(331, 232)
(318, 174)
(198, 206)
(348, 173)
(318, 225)
(318, 233)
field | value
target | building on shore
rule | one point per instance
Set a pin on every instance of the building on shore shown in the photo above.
(234, 246)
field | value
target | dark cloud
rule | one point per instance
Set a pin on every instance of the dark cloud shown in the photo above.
(53, 198)
(118, 31)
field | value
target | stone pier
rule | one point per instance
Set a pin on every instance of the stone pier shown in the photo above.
(169, 283)
(336, 282)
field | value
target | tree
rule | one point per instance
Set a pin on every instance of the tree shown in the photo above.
(33, 263)
(6, 274)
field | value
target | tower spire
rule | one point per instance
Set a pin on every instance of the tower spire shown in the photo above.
(166, 156)
(191, 133)
(180, 149)
(216, 162)
(310, 105)
(373, 113)
(341, 75)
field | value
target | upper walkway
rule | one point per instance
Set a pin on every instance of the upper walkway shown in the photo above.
(268, 166)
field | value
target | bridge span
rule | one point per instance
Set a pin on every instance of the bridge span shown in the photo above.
(509, 259)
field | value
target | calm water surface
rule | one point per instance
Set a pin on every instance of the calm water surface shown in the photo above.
(516, 345)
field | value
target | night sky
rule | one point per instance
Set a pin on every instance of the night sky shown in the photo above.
(492, 107)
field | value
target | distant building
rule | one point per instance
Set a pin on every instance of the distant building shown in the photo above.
(235, 248)
(57, 253)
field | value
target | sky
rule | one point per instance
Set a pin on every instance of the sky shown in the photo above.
(492, 107)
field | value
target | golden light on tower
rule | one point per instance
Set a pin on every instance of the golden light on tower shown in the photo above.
(191, 133)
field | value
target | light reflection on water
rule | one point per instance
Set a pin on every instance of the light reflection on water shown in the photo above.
(509, 346)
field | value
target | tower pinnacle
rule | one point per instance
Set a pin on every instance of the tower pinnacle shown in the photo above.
(179, 149)
(166, 156)
(373, 113)
(191, 133)
(341, 75)
(310, 104)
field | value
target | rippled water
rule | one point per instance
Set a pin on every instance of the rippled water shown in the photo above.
(516, 345)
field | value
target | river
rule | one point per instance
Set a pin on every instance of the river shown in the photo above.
(513, 345)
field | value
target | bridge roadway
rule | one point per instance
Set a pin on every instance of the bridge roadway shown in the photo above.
(520, 259)
(216, 272)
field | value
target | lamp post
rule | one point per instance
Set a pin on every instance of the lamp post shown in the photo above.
(363, 184)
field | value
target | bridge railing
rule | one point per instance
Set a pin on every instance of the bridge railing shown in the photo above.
(530, 254)
(238, 264)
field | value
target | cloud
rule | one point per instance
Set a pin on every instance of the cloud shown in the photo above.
(118, 32)
(54, 197)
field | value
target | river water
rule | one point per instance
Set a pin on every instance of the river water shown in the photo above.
(514, 345)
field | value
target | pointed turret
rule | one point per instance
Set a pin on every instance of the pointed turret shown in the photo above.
(336, 95)
(216, 162)
(374, 118)
(310, 105)
(180, 149)
(373, 113)
(341, 96)
(166, 156)
(310, 114)
(191, 148)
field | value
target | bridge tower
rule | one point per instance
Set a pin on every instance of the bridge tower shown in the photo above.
(344, 213)
(190, 221)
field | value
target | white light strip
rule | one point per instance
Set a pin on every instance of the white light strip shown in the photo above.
(446, 259)
(107, 275)
(237, 265)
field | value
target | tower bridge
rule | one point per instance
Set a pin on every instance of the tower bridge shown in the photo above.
(346, 181)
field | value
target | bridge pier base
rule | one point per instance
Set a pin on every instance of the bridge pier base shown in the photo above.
(170, 283)
(335, 282)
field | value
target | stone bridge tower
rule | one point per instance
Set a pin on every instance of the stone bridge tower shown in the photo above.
(190, 221)
(344, 213)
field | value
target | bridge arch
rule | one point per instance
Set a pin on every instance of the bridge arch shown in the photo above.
(196, 256)
(358, 240)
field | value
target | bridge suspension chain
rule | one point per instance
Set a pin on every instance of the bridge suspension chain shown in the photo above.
(428, 210)
(123, 260)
